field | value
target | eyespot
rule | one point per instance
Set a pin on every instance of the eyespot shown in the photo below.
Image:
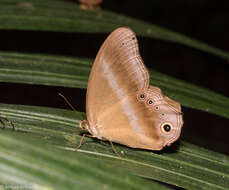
(156, 107)
(166, 128)
(150, 102)
(142, 96)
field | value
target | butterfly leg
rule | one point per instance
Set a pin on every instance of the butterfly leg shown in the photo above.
(114, 150)
(80, 144)
(81, 141)
(8, 121)
(83, 124)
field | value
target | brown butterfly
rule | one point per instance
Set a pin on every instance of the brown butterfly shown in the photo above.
(121, 106)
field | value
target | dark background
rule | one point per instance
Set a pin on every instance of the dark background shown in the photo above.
(205, 20)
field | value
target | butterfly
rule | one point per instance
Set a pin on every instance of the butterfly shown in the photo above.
(121, 105)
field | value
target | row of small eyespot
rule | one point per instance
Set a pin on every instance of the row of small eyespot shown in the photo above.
(142, 96)
(166, 127)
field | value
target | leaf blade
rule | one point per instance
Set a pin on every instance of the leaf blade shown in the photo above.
(31, 163)
(74, 72)
(188, 166)
(63, 17)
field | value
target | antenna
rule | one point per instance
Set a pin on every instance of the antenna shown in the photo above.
(66, 100)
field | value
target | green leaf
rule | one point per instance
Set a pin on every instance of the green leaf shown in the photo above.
(74, 72)
(39, 153)
(61, 16)
(28, 161)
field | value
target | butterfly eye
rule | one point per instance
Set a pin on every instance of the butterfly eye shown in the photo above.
(166, 128)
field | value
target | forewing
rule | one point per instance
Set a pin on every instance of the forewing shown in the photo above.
(117, 72)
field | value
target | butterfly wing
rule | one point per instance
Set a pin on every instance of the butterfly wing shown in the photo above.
(116, 109)
(150, 123)
(118, 71)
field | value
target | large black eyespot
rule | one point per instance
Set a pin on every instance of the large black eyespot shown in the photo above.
(166, 128)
